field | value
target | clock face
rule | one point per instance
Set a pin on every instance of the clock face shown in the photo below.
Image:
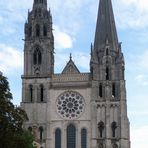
(70, 105)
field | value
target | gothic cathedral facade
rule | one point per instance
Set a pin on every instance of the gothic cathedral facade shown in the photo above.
(74, 109)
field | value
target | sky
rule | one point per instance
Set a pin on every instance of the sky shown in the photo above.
(74, 23)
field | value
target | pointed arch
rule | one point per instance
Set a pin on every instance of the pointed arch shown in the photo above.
(30, 31)
(57, 138)
(107, 73)
(101, 128)
(114, 90)
(31, 93)
(41, 93)
(37, 57)
(41, 132)
(83, 138)
(30, 129)
(71, 136)
(101, 90)
(114, 127)
(115, 145)
(107, 51)
(45, 30)
(37, 30)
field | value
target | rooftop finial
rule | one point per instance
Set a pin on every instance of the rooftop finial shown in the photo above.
(70, 57)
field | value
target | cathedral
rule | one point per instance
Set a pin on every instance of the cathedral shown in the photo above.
(74, 109)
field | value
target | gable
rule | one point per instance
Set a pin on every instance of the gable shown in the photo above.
(70, 68)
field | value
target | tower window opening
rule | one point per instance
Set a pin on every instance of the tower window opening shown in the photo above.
(107, 73)
(30, 129)
(58, 138)
(37, 57)
(100, 91)
(115, 146)
(107, 51)
(30, 31)
(31, 93)
(41, 133)
(45, 31)
(37, 30)
(42, 93)
(101, 128)
(114, 126)
(113, 90)
(83, 138)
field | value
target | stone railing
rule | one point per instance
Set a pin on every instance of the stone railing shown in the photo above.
(70, 77)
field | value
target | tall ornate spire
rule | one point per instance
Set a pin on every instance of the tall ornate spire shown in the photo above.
(106, 28)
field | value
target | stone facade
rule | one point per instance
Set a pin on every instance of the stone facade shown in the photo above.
(74, 109)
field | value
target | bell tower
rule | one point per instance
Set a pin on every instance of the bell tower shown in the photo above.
(109, 108)
(38, 69)
(39, 42)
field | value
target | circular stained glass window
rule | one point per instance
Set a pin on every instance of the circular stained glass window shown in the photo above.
(70, 105)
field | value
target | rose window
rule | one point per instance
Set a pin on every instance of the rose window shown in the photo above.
(70, 105)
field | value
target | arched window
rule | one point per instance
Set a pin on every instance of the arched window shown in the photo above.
(45, 30)
(30, 31)
(41, 93)
(115, 146)
(41, 133)
(71, 136)
(37, 57)
(107, 52)
(100, 91)
(83, 138)
(37, 30)
(101, 145)
(58, 138)
(39, 12)
(114, 126)
(113, 90)
(30, 128)
(31, 93)
(101, 128)
(107, 73)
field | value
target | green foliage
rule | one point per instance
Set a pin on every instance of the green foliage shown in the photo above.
(12, 117)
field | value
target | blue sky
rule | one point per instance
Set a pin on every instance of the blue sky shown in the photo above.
(74, 23)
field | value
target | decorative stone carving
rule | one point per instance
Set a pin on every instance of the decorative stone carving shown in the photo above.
(70, 105)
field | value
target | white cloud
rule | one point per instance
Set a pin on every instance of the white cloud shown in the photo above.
(10, 58)
(82, 60)
(143, 60)
(62, 39)
(143, 79)
(139, 137)
(131, 13)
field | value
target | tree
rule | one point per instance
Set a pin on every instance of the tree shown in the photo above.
(11, 120)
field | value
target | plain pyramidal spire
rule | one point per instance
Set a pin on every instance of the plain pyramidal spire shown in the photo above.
(105, 29)
(40, 3)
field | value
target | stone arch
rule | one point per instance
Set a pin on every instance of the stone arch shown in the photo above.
(71, 136)
(58, 138)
